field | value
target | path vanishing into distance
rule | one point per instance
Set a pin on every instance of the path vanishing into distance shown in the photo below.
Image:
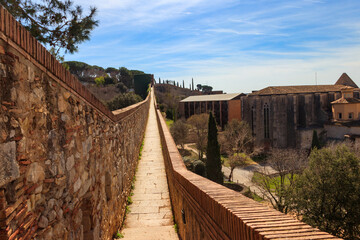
(150, 216)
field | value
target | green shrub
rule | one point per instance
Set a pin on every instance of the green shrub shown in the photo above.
(199, 167)
(123, 100)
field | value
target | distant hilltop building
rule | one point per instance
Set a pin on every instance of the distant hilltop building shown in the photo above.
(286, 116)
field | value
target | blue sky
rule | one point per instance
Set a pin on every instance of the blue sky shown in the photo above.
(232, 45)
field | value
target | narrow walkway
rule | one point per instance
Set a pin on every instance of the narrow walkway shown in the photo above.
(150, 217)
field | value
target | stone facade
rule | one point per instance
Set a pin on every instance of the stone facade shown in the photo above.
(288, 118)
(285, 116)
(66, 167)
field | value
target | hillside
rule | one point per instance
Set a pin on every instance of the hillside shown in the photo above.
(168, 97)
(115, 88)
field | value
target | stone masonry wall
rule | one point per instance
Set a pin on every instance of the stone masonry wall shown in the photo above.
(66, 163)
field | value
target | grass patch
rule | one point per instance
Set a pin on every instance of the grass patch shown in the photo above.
(169, 122)
(118, 235)
(129, 200)
(141, 148)
(253, 196)
(275, 180)
(225, 161)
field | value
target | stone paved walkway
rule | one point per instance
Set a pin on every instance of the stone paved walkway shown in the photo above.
(150, 217)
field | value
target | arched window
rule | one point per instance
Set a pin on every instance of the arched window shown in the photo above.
(253, 120)
(266, 121)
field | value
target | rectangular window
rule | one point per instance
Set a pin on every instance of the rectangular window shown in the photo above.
(351, 115)
(340, 115)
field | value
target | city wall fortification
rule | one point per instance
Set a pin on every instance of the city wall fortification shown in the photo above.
(67, 162)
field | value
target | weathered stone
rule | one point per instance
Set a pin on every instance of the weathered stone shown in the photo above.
(62, 105)
(43, 222)
(70, 162)
(77, 185)
(39, 189)
(52, 215)
(65, 117)
(9, 168)
(35, 173)
(12, 133)
(48, 234)
(13, 94)
(39, 93)
(51, 203)
(66, 95)
(85, 187)
(2, 50)
(14, 123)
(59, 193)
(59, 231)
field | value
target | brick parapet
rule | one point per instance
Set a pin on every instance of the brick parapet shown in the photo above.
(206, 210)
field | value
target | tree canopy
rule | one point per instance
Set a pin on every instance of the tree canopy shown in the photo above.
(327, 194)
(199, 123)
(213, 160)
(57, 23)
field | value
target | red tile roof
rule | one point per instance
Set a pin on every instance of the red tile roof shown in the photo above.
(346, 80)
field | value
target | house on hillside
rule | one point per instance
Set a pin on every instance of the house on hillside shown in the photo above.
(225, 107)
(286, 116)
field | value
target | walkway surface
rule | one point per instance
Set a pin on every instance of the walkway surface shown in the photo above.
(150, 217)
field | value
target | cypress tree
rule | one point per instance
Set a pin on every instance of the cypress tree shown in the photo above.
(315, 141)
(213, 161)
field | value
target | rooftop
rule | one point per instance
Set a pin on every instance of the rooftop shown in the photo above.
(210, 98)
(278, 90)
(346, 100)
(344, 79)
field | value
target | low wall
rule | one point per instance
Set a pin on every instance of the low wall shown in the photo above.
(206, 210)
(338, 132)
(66, 161)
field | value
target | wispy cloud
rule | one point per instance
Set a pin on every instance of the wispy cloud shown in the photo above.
(230, 44)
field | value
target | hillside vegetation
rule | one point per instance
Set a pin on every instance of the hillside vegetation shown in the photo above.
(113, 86)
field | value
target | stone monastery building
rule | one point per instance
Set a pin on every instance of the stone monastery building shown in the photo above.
(286, 116)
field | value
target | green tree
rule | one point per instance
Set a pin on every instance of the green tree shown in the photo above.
(315, 143)
(199, 123)
(56, 23)
(286, 163)
(327, 194)
(237, 160)
(126, 77)
(179, 131)
(213, 160)
(238, 141)
(206, 89)
(100, 81)
(123, 100)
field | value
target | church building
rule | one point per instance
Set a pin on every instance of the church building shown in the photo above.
(285, 116)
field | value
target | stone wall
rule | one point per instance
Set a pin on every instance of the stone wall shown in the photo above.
(206, 210)
(66, 161)
(289, 116)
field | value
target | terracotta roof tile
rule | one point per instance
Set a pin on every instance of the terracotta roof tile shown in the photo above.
(346, 80)
(346, 100)
(298, 89)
